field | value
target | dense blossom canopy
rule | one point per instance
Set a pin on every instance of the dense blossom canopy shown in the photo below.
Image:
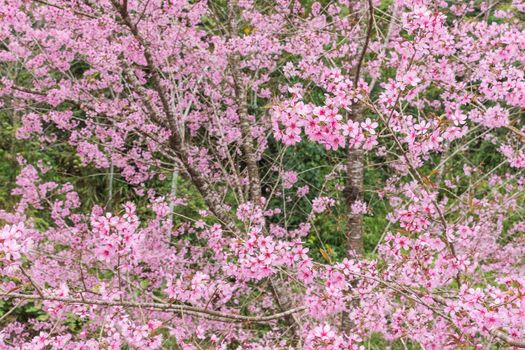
(214, 95)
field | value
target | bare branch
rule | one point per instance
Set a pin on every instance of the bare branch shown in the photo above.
(173, 308)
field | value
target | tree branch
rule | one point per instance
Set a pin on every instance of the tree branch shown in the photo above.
(176, 141)
(173, 308)
(365, 45)
(80, 13)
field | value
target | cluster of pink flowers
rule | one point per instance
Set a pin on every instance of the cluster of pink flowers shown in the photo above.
(115, 236)
(324, 124)
(14, 242)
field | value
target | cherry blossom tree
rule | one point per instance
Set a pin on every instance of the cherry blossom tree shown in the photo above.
(199, 107)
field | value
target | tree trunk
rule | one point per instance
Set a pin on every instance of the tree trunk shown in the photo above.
(353, 193)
